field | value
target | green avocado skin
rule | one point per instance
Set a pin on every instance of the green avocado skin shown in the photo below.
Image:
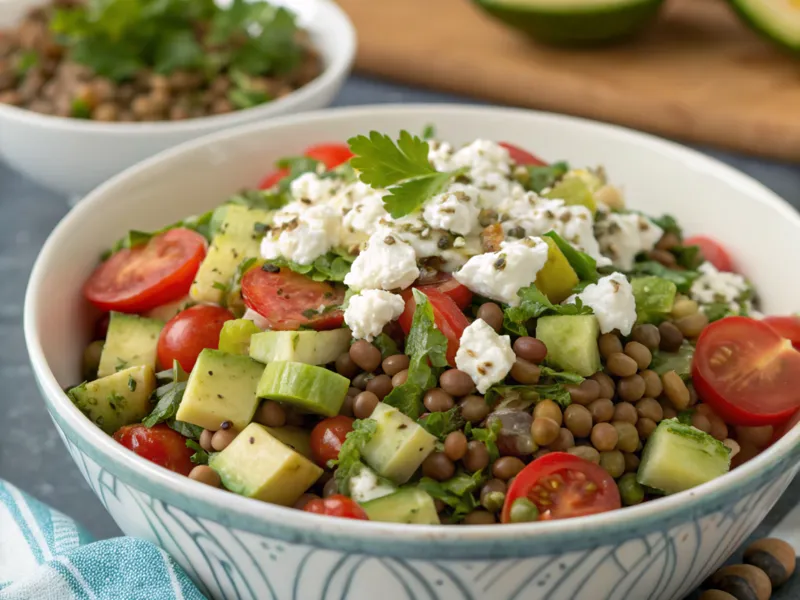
(742, 8)
(576, 27)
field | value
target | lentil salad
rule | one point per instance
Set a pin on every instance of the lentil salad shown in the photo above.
(416, 332)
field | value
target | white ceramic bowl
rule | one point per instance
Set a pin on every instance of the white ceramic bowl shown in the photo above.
(240, 548)
(72, 156)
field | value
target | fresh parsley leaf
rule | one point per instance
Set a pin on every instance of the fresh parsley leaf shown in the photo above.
(406, 197)
(654, 298)
(535, 304)
(429, 132)
(168, 398)
(669, 224)
(584, 265)
(560, 376)
(487, 435)
(333, 266)
(458, 492)
(442, 423)
(541, 177)
(386, 345)
(520, 394)
(555, 392)
(186, 429)
(349, 462)
(682, 279)
(200, 456)
(688, 257)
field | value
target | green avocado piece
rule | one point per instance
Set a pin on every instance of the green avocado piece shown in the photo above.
(236, 335)
(116, 400)
(239, 221)
(314, 389)
(131, 340)
(571, 342)
(557, 277)
(778, 22)
(574, 191)
(310, 347)
(297, 438)
(217, 270)
(408, 505)
(221, 387)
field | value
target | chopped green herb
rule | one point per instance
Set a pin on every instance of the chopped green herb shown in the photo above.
(200, 456)
(349, 462)
(458, 493)
(386, 345)
(487, 435)
(442, 423)
(26, 60)
(333, 266)
(535, 304)
(131, 383)
(429, 132)
(541, 177)
(682, 279)
(654, 298)
(186, 429)
(584, 265)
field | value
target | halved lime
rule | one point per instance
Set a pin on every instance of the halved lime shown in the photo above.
(776, 20)
(574, 22)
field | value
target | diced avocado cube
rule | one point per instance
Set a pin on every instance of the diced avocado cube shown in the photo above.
(398, 446)
(236, 335)
(571, 342)
(310, 347)
(116, 400)
(409, 505)
(654, 298)
(314, 389)
(677, 457)
(297, 438)
(221, 387)
(166, 311)
(573, 190)
(239, 221)
(216, 271)
(131, 340)
(260, 466)
(557, 278)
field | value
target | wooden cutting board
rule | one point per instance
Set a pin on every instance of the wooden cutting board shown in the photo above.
(697, 74)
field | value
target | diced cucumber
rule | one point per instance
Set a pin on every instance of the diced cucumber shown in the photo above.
(557, 278)
(116, 400)
(131, 341)
(236, 335)
(680, 361)
(258, 465)
(311, 388)
(398, 446)
(409, 505)
(677, 457)
(310, 347)
(571, 342)
(779, 22)
(221, 387)
(239, 221)
(218, 268)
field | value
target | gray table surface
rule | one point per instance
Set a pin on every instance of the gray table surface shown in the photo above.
(31, 455)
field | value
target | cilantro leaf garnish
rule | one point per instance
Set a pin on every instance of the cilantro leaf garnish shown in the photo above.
(487, 435)
(534, 304)
(168, 398)
(442, 423)
(585, 266)
(458, 493)
(200, 456)
(349, 462)
(541, 177)
(333, 266)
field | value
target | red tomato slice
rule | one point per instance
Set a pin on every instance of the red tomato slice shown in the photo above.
(272, 179)
(288, 300)
(787, 327)
(158, 444)
(447, 284)
(746, 372)
(562, 486)
(522, 157)
(138, 279)
(327, 438)
(712, 251)
(190, 331)
(337, 506)
(447, 315)
(331, 155)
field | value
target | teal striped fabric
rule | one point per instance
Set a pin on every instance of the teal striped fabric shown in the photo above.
(46, 556)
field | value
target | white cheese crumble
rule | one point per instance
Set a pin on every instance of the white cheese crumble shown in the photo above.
(611, 299)
(313, 188)
(484, 355)
(303, 237)
(386, 263)
(500, 275)
(365, 486)
(718, 286)
(455, 210)
(256, 318)
(365, 216)
(624, 235)
(369, 311)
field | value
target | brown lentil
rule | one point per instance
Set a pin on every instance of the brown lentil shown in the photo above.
(353, 392)
(345, 366)
(544, 431)
(665, 258)
(365, 355)
(671, 337)
(716, 595)
(531, 349)
(640, 353)
(205, 440)
(578, 420)
(602, 410)
(440, 506)
(609, 344)
(564, 441)
(492, 314)
(360, 381)
(652, 383)
(476, 458)
(586, 453)
(607, 386)
(223, 438)
(631, 462)
(507, 467)
(479, 517)
(364, 404)
(330, 488)
(303, 500)
(773, 556)
(647, 335)
(437, 400)
(684, 307)
(693, 397)
(400, 378)
(631, 389)
(271, 414)
(760, 437)
(380, 385)
(701, 422)
(604, 437)
(719, 429)
(621, 365)
(584, 394)
(456, 383)
(525, 372)
(437, 466)
(455, 445)
(625, 412)
(645, 427)
(347, 404)
(205, 474)
(676, 390)
(551, 410)
(745, 582)
(613, 462)
(692, 325)
(474, 408)
(395, 363)
(627, 436)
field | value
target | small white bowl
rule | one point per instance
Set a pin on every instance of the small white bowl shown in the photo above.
(235, 547)
(72, 156)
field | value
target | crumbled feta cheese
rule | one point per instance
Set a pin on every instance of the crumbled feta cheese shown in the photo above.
(500, 275)
(369, 311)
(256, 318)
(455, 210)
(386, 263)
(624, 235)
(303, 237)
(365, 486)
(365, 216)
(719, 286)
(312, 188)
(484, 355)
(611, 299)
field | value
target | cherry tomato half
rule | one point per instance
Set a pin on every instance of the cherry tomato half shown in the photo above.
(712, 251)
(746, 372)
(272, 179)
(449, 286)
(787, 327)
(288, 300)
(158, 444)
(522, 157)
(337, 506)
(190, 331)
(138, 279)
(327, 438)
(448, 318)
(331, 155)
(562, 486)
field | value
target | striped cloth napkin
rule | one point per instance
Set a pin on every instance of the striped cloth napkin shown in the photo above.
(46, 556)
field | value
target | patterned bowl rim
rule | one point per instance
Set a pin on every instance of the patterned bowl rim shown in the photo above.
(387, 538)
